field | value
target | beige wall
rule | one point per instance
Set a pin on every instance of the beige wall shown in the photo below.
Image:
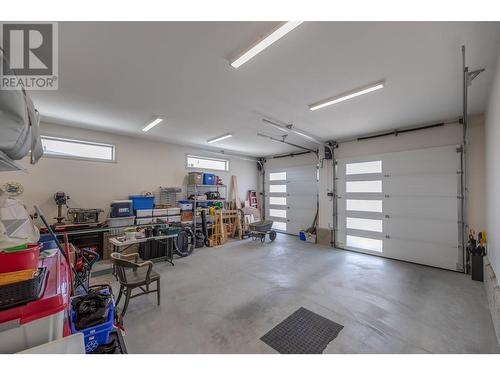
(141, 165)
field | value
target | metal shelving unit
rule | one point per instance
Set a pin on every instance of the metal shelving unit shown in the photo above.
(201, 189)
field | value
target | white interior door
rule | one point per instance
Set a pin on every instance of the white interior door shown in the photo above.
(291, 197)
(402, 205)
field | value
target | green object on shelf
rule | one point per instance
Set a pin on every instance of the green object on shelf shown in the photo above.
(11, 249)
(217, 204)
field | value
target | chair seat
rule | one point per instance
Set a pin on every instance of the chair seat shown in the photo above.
(138, 277)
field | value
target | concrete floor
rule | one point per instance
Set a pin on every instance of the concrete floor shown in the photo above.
(222, 300)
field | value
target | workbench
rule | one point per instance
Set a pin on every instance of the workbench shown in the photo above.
(168, 240)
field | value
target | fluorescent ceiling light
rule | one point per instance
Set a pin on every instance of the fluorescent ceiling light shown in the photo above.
(279, 32)
(152, 124)
(347, 95)
(219, 138)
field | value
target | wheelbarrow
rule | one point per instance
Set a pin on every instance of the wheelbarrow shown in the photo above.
(260, 229)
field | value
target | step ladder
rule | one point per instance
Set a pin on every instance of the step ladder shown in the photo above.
(252, 199)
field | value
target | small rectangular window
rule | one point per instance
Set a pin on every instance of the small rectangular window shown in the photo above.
(277, 213)
(364, 243)
(77, 149)
(278, 225)
(366, 205)
(364, 224)
(202, 162)
(278, 201)
(364, 167)
(277, 176)
(363, 186)
(277, 188)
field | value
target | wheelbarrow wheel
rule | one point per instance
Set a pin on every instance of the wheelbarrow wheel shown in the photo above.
(272, 235)
(262, 238)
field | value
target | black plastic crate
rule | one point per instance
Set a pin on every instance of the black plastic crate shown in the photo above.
(23, 291)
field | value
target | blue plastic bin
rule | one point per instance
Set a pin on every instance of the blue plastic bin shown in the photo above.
(47, 242)
(302, 236)
(141, 202)
(208, 179)
(98, 334)
(121, 208)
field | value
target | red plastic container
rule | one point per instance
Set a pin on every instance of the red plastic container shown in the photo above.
(43, 320)
(19, 260)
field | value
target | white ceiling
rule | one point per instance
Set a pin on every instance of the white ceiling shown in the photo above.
(115, 76)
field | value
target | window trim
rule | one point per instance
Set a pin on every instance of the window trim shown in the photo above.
(79, 141)
(206, 158)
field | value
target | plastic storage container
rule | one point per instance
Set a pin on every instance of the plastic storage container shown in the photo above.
(144, 213)
(208, 179)
(144, 220)
(43, 320)
(47, 242)
(160, 212)
(95, 335)
(161, 219)
(21, 292)
(11, 261)
(185, 205)
(173, 211)
(114, 222)
(121, 208)
(195, 178)
(142, 202)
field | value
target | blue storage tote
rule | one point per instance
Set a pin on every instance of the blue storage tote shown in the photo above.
(95, 335)
(142, 202)
(47, 242)
(121, 208)
(208, 179)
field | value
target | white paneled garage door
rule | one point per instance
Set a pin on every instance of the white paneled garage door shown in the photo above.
(402, 205)
(291, 197)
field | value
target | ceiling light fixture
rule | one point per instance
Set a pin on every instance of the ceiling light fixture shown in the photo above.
(225, 136)
(280, 31)
(152, 124)
(347, 95)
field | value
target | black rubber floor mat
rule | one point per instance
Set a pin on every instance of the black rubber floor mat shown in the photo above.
(303, 332)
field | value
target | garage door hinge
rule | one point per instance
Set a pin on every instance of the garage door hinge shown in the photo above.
(460, 172)
(387, 236)
(387, 175)
(387, 216)
(386, 196)
(460, 197)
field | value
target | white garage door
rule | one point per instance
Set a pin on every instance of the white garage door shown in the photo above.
(292, 197)
(402, 205)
